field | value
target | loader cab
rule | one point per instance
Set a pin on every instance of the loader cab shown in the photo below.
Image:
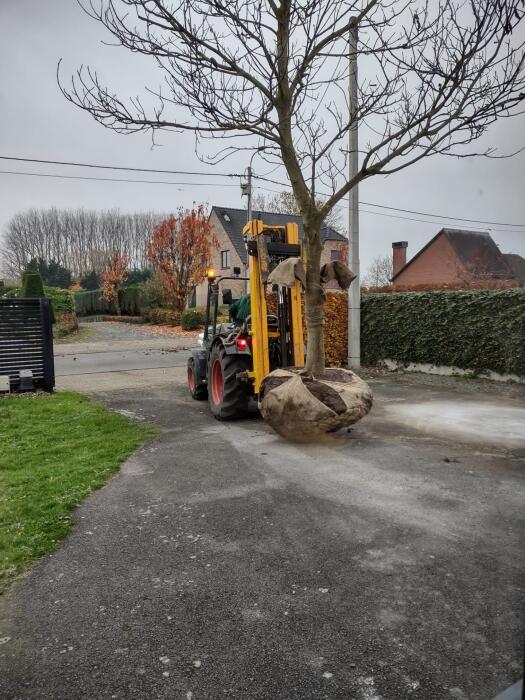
(236, 356)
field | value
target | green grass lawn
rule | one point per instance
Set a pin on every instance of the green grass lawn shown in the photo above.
(54, 450)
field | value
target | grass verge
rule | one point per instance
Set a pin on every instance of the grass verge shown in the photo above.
(55, 450)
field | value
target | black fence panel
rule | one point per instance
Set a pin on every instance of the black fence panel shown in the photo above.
(26, 341)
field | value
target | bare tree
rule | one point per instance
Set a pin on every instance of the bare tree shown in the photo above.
(285, 203)
(80, 240)
(379, 273)
(437, 74)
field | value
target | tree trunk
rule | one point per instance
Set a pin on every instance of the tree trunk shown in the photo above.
(313, 299)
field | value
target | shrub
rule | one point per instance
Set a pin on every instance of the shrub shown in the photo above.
(61, 299)
(11, 293)
(32, 285)
(65, 324)
(152, 293)
(191, 319)
(473, 330)
(162, 317)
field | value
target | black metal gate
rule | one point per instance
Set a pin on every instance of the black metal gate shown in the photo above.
(26, 341)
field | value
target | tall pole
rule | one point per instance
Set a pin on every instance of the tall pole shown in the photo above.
(249, 191)
(249, 218)
(354, 295)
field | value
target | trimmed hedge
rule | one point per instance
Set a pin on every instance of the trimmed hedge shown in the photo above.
(162, 317)
(191, 319)
(91, 303)
(32, 285)
(473, 330)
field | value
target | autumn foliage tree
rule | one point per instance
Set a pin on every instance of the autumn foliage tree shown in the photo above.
(113, 278)
(180, 251)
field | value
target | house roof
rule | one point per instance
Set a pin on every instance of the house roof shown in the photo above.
(516, 264)
(476, 250)
(234, 220)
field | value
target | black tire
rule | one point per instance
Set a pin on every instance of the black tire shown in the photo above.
(198, 391)
(233, 401)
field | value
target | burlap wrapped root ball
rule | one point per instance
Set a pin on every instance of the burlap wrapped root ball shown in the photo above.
(302, 408)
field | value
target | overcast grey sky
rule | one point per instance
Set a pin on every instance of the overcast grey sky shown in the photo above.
(37, 122)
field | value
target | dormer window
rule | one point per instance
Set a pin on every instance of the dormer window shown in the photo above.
(226, 216)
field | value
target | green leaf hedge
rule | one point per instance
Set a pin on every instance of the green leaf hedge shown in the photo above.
(91, 303)
(473, 330)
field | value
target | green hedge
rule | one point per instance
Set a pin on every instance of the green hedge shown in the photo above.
(473, 330)
(32, 286)
(191, 319)
(61, 299)
(92, 304)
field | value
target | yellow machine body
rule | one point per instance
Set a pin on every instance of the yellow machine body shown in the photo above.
(258, 272)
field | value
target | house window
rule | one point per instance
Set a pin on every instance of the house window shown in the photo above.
(225, 259)
(337, 254)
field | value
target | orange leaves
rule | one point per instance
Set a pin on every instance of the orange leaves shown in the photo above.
(113, 278)
(180, 251)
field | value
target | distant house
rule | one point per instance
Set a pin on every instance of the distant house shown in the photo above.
(228, 224)
(457, 258)
(517, 266)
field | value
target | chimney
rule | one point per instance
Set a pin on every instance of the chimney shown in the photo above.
(399, 256)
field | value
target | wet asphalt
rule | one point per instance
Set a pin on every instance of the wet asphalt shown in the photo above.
(384, 564)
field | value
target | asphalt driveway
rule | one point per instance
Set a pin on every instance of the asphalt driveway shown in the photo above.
(385, 564)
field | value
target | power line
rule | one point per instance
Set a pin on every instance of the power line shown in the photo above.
(117, 179)
(433, 223)
(409, 218)
(230, 175)
(440, 216)
(119, 167)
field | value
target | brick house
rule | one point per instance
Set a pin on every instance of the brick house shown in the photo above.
(228, 224)
(456, 258)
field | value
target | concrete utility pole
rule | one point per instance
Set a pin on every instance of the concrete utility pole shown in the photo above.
(249, 192)
(246, 190)
(354, 294)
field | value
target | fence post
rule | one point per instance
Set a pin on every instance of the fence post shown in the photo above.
(47, 345)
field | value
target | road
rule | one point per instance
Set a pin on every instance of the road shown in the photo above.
(117, 361)
(119, 356)
(383, 564)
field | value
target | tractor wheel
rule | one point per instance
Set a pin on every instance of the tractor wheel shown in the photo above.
(226, 395)
(198, 391)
